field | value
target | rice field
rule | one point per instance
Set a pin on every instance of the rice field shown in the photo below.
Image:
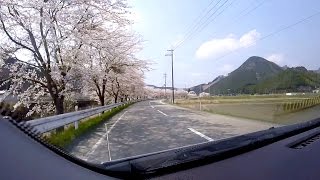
(272, 108)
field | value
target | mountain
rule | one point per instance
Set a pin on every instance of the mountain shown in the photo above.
(297, 79)
(197, 89)
(157, 87)
(203, 87)
(299, 69)
(216, 80)
(285, 67)
(254, 70)
(317, 71)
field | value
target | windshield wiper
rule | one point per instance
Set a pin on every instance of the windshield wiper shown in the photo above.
(190, 156)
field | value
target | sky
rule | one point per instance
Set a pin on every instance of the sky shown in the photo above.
(244, 28)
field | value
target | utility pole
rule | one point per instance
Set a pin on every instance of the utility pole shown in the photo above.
(171, 50)
(165, 85)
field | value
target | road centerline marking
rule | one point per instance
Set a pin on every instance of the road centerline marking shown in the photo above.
(201, 135)
(95, 146)
(162, 112)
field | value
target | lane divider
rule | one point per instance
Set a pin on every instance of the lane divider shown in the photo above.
(162, 112)
(97, 144)
(201, 135)
(116, 122)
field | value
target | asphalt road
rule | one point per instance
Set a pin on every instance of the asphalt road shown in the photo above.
(152, 126)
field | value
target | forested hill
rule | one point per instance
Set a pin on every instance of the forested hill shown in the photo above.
(290, 80)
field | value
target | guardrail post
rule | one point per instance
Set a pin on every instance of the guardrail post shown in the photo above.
(59, 122)
(76, 123)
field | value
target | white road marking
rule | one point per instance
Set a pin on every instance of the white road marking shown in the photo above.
(109, 153)
(150, 104)
(95, 146)
(162, 112)
(201, 135)
(116, 121)
(162, 102)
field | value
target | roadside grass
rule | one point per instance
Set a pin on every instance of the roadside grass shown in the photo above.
(64, 138)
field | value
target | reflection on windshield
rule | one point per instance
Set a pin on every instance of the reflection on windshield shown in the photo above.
(107, 80)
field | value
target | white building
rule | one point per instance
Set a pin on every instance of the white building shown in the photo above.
(204, 94)
(192, 94)
(316, 91)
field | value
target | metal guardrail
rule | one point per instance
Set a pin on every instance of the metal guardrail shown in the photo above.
(46, 124)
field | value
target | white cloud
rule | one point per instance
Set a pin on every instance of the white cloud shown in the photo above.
(218, 47)
(276, 58)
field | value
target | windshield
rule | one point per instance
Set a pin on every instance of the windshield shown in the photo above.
(108, 80)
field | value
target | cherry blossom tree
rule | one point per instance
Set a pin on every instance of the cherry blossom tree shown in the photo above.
(113, 65)
(181, 93)
(125, 86)
(154, 92)
(51, 36)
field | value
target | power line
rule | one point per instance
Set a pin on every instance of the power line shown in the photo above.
(241, 14)
(275, 32)
(198, 21)
(253, 9)
(200, 17)
(208, 21)
(204, 24)
(244, 10)
(199, 24)
(217, 16)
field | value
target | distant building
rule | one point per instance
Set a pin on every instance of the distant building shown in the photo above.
(204, 94)
(192, 94)
(304, 89)
(316, 91)
(291, 94)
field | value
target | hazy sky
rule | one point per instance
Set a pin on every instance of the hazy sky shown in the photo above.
(230, 38)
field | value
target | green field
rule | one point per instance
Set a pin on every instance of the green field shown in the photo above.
(272, 108)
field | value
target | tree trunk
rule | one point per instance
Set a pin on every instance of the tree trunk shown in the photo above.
(115, 98)
(101, 99)
(58, 102)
